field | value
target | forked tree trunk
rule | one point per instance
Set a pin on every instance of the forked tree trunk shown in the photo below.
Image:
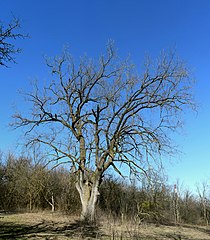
(51, 203)
(89, 193)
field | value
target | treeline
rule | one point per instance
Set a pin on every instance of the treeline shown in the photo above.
(29, 186)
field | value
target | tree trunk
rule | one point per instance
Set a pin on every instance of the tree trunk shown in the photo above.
(205, 211)
(52, 203)
(89, 193)
(30, 203)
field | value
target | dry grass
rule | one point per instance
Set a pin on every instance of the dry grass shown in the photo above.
(154, 232)
(61, 227)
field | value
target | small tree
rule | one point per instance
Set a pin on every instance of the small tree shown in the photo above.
(102, 115)
(204, 201)
(176, 204)
(189, 208)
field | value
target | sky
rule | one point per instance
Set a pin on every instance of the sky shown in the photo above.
(138, 27)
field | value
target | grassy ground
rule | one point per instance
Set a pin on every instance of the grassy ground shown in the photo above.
(61, 227)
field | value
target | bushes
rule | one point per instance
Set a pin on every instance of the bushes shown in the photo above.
(147, 203)
(27, 186)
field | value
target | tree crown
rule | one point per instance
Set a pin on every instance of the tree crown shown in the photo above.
(104, 114)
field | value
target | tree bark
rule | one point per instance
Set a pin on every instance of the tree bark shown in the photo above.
(89, 193)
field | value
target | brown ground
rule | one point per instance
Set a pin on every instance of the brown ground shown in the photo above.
(61, 227)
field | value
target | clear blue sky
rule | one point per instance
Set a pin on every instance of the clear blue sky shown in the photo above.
(137, 27)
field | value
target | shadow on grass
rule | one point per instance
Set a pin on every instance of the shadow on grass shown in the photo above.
(205, 230)
(49, 230)
(180, 236)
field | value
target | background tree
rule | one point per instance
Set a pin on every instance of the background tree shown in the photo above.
(99, 115)
(22, 183)
(190, 208)
(59, 190)
(203, 192)
(2, 182)
(8, 34)
(154, 206)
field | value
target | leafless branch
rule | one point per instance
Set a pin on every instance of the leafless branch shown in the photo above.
(99, 113)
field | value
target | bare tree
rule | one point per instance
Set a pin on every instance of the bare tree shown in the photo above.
(203, 195)
(176, 204)
(8, 34)
(98, 115)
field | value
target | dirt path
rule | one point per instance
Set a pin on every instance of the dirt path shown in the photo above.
(61, 227)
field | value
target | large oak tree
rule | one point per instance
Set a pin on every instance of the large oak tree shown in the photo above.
(104, 114)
